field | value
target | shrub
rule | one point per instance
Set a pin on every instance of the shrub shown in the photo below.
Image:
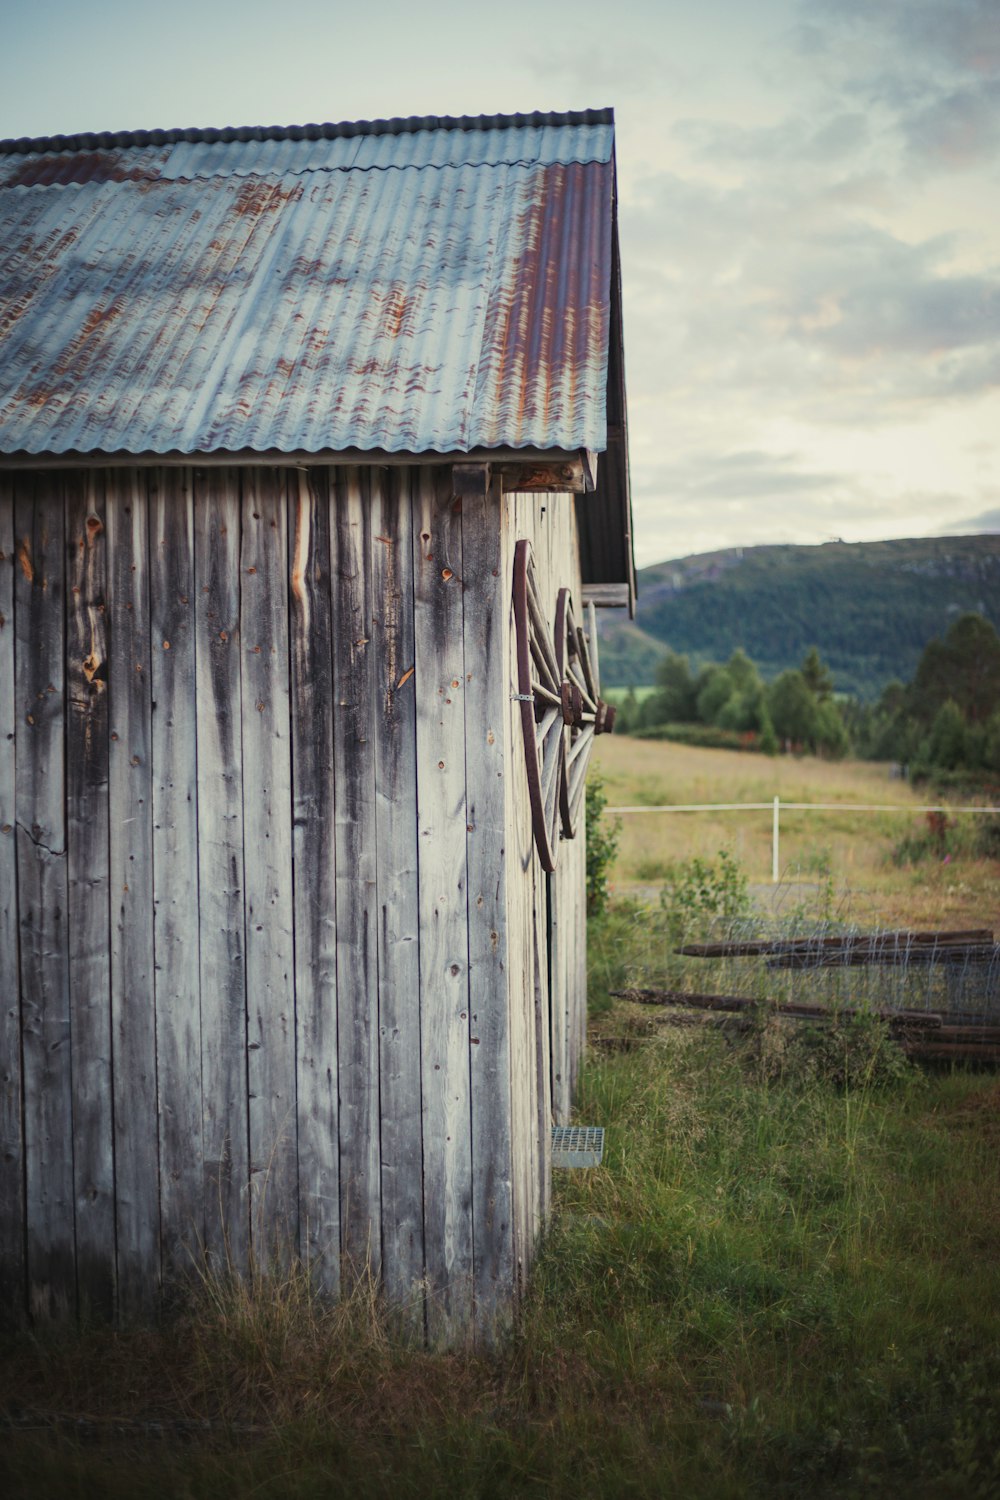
(703, 891)
(602, 846)
(849, 1052)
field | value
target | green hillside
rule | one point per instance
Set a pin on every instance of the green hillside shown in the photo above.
(870, 607)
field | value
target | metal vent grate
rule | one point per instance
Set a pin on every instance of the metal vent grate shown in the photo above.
(577, 1145)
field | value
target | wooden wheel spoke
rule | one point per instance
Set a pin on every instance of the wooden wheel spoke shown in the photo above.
(550, 762)
(585, 693)
(546, 694)
(595, 660)
(541, 638)
(581, 743)
(576, 654)
(548, 720)
(545, 668)
(588, 672)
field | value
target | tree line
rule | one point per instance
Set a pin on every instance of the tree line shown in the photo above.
(946, 721)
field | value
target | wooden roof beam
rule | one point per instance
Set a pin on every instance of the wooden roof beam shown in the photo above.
(525, 469)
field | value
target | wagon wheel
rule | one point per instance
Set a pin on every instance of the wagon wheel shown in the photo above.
(539, 690)
(585, 710)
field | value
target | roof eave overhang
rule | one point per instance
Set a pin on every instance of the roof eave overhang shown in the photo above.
(604, 518)
(572, 471)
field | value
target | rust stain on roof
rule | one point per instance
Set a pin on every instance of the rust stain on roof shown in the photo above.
(80, 166)
(259, 197)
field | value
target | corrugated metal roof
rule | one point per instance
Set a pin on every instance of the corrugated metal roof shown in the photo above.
(411, 125)
(436, 287)
(51, 162)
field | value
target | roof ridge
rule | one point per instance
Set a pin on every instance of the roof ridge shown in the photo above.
(107, 139)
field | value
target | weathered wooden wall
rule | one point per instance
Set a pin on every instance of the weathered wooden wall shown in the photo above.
(275, 957)
(547, 913)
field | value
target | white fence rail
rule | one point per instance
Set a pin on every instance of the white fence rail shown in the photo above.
(776, 804)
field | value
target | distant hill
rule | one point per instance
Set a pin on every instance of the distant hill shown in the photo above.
(870, 607)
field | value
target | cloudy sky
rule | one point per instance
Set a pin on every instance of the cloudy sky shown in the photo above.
(809, 214)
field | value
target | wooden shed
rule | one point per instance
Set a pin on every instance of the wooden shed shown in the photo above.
(312, 455)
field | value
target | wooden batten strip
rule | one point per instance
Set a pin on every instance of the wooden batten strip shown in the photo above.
(221, 873)
(173, 604)
(606, 595)
(130, 775)
(311, 652)
(88, 917)
(357, 895)
(561, 897)
(543, 1046)
(487, 713)
(40, 740)
(395, 744)
(12, 1306)
(267, 782)
(520, 512)
(439, 657)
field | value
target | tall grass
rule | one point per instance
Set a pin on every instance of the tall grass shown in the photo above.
(781, 1281)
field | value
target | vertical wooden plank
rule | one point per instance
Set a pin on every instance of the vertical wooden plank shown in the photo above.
(542, 1048)
(576, 893)
(133, 1016)
(578, 965)
(12, 1286)
(444, 979)
(487, 704)
(565, 893)
(220, 867)
(312, 698)
(394, 727)
(561, 937)
(173, 597)
(267, 807)
(582, 974)
(357, 896)
(520, 857)
(541, 513)
(42, 893)
(528, 511)
(88, 921)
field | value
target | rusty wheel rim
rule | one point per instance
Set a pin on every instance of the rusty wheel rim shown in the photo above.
(539, 690)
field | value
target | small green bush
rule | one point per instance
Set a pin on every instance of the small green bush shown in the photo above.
(849, 1052)
(602, 846)
(702, 890)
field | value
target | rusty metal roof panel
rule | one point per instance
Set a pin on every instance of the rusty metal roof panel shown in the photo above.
(437, 289)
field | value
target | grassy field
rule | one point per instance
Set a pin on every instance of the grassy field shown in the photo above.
(846, 856)
(782, 1281)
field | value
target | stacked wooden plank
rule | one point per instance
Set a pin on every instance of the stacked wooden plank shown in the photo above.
(973, 945)
(924, 1034)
